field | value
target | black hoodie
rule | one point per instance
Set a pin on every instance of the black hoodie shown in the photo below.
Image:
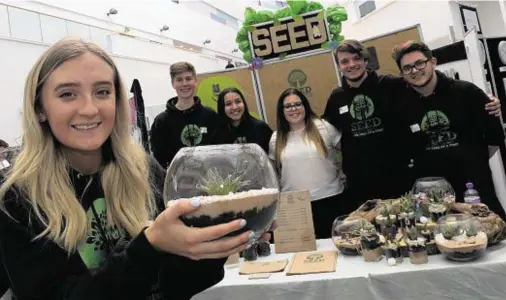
(174, 129)
(450, 133)
(109, 265)
(362, 115)
(250, 130)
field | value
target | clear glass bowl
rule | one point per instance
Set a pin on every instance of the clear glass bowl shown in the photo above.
(432, 196)
(346, 234)
(232, 181)
(433, 189)
(460, 237)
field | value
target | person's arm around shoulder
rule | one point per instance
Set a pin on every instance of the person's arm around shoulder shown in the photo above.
(333, 134)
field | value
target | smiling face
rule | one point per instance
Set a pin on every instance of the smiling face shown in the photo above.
(78, 101)
(294, 110)
(234, 106)
(417, 69)
(184, 84)
(351, 65)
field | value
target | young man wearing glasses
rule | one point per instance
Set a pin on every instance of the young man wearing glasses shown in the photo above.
(374, 160)
(445, 123)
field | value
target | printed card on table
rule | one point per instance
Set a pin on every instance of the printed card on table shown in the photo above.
(295, 231)
(315, 262)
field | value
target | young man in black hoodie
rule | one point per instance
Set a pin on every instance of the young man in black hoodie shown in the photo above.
(374, 158)
(445, 123)
(359, 110)
(185, 121)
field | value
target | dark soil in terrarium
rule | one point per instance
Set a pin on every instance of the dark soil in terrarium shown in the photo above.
(257, 219)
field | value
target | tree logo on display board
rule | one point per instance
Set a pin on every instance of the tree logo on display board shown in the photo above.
(297, 79)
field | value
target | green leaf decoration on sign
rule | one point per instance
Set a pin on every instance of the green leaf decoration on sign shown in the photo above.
(276, 22)
(251, 28)
(283, 55)
(297, 18)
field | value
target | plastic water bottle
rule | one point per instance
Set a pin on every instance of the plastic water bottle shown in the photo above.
(471, 195)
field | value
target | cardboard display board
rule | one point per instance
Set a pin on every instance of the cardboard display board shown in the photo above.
(384, 44)
(314, 75)
(209, 86)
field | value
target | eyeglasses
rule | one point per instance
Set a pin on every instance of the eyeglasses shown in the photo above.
(419, 65)
(292, 106)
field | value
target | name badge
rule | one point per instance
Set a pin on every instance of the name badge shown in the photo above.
(4, 164)
(343, 109)
(203, 129)
(415, 128)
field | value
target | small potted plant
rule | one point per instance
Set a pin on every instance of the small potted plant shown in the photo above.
(416, 246)
(407, 212)
(387, 221)
(460, 237)
(370, 242)
(393, 253)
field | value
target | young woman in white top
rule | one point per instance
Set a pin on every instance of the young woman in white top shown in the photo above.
(304, 149)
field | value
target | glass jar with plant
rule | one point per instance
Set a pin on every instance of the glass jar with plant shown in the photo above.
(416, 246)
(460, 237)
(393, 253)
(370, 243)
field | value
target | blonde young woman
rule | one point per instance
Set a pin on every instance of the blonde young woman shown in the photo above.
(304, 149)
(76, 205)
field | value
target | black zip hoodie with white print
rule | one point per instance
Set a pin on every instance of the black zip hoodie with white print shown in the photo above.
(108, 264)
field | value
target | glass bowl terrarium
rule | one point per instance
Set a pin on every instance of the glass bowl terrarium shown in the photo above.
(460, 237)
(433, 196)
(347, 234)
(233, 181)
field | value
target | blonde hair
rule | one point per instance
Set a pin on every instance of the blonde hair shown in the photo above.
(181, 67)
(41, 170)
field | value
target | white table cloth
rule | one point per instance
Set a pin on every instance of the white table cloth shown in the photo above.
(357, 280)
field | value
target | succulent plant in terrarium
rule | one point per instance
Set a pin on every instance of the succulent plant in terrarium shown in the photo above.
(213, 183)
(232, 181)
(346, 234)
(460, 237)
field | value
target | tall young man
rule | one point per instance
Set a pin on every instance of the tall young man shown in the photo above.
(359, 109)
(445, 120)
(185, 121)
(374, 160)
